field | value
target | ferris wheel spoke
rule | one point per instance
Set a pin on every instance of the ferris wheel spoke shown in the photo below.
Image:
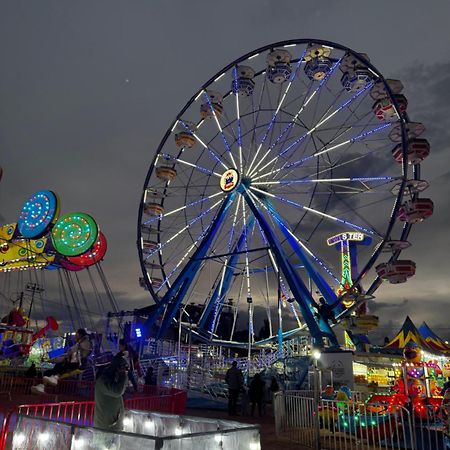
(233, 226)
(299, 112)
(345, 128)
(326, 180)
(317, 212)
(181, 208)
(275, 114)
(225, 140)
(325, 149)
(238, 118)
(210, 150)
(187, 163)
(290, 235)
(182, 230)
(294, 121)
(255, 115)
(298, 141)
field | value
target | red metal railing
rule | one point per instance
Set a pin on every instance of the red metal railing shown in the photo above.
(154, 398)
(11, 385)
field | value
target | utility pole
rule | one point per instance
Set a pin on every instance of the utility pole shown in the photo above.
(33, 288)
(21, 300)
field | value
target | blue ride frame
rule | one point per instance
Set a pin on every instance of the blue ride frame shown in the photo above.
(177, 291)
(222, 288)
(322, 285)
(172, 300)
(319, 329)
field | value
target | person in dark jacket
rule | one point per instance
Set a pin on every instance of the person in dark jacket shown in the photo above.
(109, 389)
(132, 359)
(31, 372)
(235, 381)
(256, 393)
(274, 386)
(149, 377)
(326, 311)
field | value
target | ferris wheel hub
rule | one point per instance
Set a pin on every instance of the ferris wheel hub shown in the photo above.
(229, 180)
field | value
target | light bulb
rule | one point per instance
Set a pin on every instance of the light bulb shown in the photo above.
(19, 439)
(78, 443)
(43, 437)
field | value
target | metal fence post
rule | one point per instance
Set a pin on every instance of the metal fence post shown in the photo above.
(316, 421)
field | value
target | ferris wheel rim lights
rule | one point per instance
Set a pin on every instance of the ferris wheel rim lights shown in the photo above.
(264, 138)
(74, 233)
(39, 212)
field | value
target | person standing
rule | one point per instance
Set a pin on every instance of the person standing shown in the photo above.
(256, 392)
(109, 390)
(235, 381)
(132, 360)
(149, 377)
(326, 311)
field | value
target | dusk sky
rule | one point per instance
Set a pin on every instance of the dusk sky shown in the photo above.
(88, 89)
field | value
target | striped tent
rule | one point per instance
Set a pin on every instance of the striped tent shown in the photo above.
(433, 340)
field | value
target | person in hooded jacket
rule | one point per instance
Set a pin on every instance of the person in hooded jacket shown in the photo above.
(256, 393)
(109, 390)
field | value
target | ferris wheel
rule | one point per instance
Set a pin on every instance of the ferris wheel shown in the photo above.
(289, 152)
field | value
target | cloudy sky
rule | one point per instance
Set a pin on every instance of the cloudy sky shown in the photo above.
(88, 88)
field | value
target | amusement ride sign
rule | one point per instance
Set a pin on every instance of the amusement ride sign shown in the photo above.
(229, 180)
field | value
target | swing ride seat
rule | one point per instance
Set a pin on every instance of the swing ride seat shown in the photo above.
(72, 374)
(86, 372)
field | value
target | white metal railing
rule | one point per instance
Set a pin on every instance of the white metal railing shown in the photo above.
(332, 424)
(357, 396)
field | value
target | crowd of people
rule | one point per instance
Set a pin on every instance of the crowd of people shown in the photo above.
(255, 395)
(114, 378)
(111, 382)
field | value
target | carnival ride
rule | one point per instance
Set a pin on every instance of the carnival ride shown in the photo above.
(414, 404)
(286, 146)
(421, 373)
(43, 241)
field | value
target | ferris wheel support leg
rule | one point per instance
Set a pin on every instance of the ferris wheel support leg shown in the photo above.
(217, 299)
(298, 288)
(176, 293)
(319, 281)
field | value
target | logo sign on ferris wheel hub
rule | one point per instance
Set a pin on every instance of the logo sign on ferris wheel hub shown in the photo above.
(229, 180)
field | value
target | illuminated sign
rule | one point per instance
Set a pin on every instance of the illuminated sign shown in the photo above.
(346, 241)
(229, 180)
(349, 236)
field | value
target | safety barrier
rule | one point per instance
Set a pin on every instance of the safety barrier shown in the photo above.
(331, 424)
(15, 386)
(157, 399)
(66, 389)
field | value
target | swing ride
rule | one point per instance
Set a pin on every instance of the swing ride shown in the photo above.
(44, 242)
